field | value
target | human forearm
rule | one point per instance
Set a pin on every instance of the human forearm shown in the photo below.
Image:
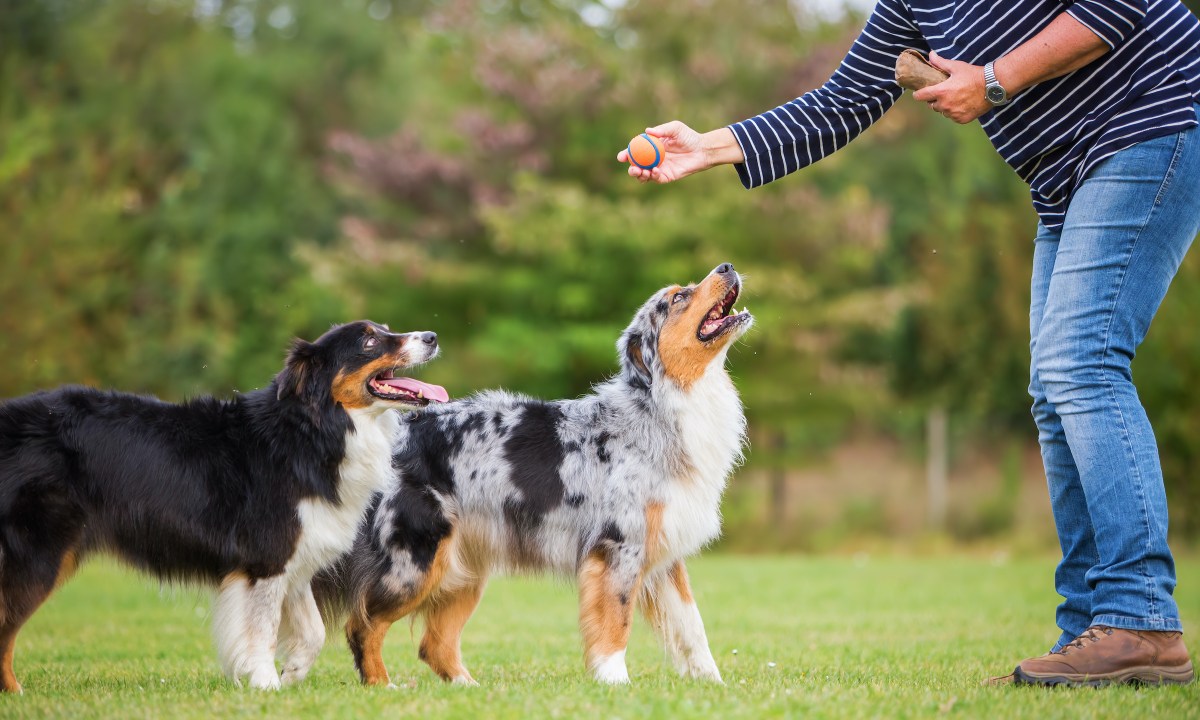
(796, 134)
(721, 147)
(1063, 46)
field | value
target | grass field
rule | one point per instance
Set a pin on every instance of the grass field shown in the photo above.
(794, 636)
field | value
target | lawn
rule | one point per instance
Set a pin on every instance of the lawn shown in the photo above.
(794, 636)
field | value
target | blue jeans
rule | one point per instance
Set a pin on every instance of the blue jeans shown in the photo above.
(1097, 283)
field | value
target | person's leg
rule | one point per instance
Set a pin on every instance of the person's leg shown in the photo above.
(1126, 232)
(1074, 526)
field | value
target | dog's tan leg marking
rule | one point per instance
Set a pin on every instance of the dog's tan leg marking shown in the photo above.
(366, 638)
(368, 626)
(66, 568)
(445, 618)
(679, 580)
(10, 626)
(654, 533)
(605, 617)
(8, 643)
(669, 606)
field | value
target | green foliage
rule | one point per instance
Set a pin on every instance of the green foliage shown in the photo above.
(184, 186)
(162, 180)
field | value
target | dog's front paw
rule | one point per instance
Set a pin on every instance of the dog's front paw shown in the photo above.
(611, 669)
(293, 674)
(708, 673)
(264, 678)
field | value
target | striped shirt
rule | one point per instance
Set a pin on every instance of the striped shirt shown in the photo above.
(1052, 134)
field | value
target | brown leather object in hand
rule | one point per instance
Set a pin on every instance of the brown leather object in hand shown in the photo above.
(914, 72)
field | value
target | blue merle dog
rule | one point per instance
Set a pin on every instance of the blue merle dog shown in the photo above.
(615, 489)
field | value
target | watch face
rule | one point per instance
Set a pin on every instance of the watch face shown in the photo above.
(996, 94)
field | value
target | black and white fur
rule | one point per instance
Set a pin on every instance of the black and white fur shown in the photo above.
(615, 489)
(253, 494)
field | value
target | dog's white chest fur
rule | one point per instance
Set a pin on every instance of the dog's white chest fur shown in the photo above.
(712, 429)
(328, 529)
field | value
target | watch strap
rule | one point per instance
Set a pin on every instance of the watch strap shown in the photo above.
(990, 82)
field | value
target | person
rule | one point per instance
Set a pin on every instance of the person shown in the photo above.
(1094, 103)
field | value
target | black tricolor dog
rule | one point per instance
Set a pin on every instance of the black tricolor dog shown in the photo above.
(253, 494)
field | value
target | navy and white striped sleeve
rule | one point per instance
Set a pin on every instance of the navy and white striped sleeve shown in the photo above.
(1112, 20)
(861, 90)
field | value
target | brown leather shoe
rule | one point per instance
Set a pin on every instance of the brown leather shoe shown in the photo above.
(1107, 656)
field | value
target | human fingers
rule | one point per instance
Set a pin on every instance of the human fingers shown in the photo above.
(944, 64)
(676, 136)
(643, 175)
(667, 130)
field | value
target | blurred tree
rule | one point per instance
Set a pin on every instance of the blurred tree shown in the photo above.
(186, 185)
(161, 169)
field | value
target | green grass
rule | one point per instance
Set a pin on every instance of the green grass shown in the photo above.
(849, 637)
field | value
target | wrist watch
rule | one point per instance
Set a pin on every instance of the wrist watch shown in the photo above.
(993, 90)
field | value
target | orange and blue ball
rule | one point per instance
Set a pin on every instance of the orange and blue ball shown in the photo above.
(645, 152)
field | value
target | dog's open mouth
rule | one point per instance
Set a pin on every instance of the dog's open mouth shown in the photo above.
(722, 316)
(406, 390)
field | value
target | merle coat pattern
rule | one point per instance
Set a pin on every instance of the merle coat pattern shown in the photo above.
(615, 489)
(253, 494)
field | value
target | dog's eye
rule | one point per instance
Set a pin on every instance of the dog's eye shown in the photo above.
(370, 342)
(679, 296)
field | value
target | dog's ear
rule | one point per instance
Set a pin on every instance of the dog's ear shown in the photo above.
(635, 360)
(297, 371)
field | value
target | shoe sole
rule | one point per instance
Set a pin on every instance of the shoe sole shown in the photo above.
(1145, 675)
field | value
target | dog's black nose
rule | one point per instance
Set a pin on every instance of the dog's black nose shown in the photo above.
(724, 268)
(429, 338)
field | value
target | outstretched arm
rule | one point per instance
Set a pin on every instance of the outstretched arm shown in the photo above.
(798, 133)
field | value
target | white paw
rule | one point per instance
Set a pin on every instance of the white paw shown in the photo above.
(293, 675)
(612, 669)
(264, 678)
(465, 680)
(709, 673)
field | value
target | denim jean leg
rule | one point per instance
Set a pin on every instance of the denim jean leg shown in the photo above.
(1075, 535)
(1126, 232)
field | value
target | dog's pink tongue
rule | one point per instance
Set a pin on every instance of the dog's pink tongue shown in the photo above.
(416, 387)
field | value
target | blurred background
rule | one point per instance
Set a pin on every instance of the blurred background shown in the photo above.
(185, 185)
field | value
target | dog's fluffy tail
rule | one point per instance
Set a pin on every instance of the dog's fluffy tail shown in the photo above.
(331, 588)
(341, 588)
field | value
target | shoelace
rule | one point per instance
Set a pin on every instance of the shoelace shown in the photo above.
(1089, 634)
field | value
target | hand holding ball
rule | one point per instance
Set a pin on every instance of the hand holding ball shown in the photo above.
(645, 151)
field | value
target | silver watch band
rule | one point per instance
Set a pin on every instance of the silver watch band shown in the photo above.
(992, 89)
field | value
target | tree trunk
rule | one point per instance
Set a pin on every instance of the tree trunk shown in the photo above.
(936, 463)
